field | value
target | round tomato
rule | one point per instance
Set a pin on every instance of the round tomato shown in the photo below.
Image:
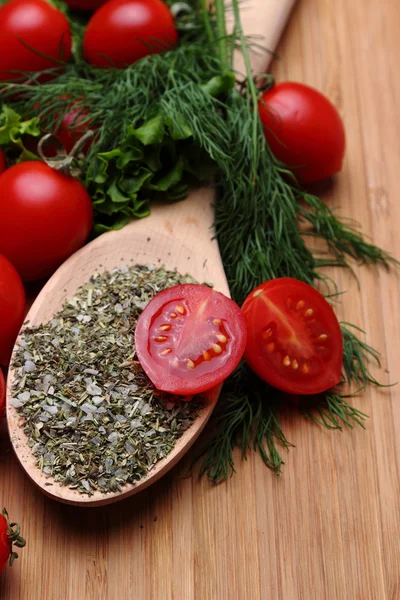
(85, 4)
(189, 338)
(2, 162)
(2, 394)
(294, 341)
(45, 217)
(9, 537)
(123, 31)
(303, 129)
(37, 24)
(12, 308)
(73, 126)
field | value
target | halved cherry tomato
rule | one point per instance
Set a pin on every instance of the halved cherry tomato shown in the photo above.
(189, 338)
(2, 394)
(294, 339)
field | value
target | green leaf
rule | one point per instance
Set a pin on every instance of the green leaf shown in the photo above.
(136, 182)
(12, 127)
(152, 132)
(178, 127)
(172, 178)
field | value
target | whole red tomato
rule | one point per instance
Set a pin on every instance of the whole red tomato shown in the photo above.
(123, 31)
(304, 130)
(9, 537)
(72, 128)
(45, 216)
(37, 24)
(85, 4)
(2, 162)
(2, 394)
(12, 308)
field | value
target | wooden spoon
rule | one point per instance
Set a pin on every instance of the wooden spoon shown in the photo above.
(175, 235)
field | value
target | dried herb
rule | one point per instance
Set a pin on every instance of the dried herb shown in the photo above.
(93, 418)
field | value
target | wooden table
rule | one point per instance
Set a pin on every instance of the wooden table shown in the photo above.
(329, 527)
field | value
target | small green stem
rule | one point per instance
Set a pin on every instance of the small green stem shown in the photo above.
(221, 32)
(207, 21)
(250, 84)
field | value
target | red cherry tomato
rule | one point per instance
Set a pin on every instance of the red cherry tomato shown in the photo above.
(2, 162)
(189, 338)
(85, 4)
(123, 31)
(73, 126)
(294, 339)
(5, 547)
(12, 308)
(304, 130)
(37, 24)
(2, 396)
(45, 217)
(9, 536)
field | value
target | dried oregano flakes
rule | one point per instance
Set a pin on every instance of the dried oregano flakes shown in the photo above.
(94, 420)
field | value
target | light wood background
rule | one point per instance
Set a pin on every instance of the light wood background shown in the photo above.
(329, 527)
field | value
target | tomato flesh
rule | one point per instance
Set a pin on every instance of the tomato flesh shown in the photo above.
(294, 338)
(189, 338)
(304, 130)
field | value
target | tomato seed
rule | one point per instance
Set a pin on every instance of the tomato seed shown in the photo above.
(166, 351)
(206, 355)
(165, 327)
(309, 312)
(173, 315)
(305, 369)
(190, 364)
(161, 338)
(323, 337)
(286, 361)
(217, 321)
(295, 364)
(180, 309)
(222, 338)
(300, 304)
(271, 347)
(217, 349)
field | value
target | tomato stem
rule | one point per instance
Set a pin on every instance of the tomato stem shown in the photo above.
(14, 537)
(63, 161)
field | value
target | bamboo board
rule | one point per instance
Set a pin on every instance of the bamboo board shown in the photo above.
(328, 528)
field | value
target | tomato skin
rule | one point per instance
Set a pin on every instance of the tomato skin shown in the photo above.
(5, 546)
(304, 130)
(2, 162)
(45, 217)
(123, 31)
(71, 130)
(39, 25)
(294, 339)
(85, 4)
(2, 395)
(189, 338)
(12, 308)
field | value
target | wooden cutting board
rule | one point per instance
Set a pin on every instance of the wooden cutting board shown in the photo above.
(328, 528)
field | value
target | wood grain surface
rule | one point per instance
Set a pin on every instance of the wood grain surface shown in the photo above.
(328, 528)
